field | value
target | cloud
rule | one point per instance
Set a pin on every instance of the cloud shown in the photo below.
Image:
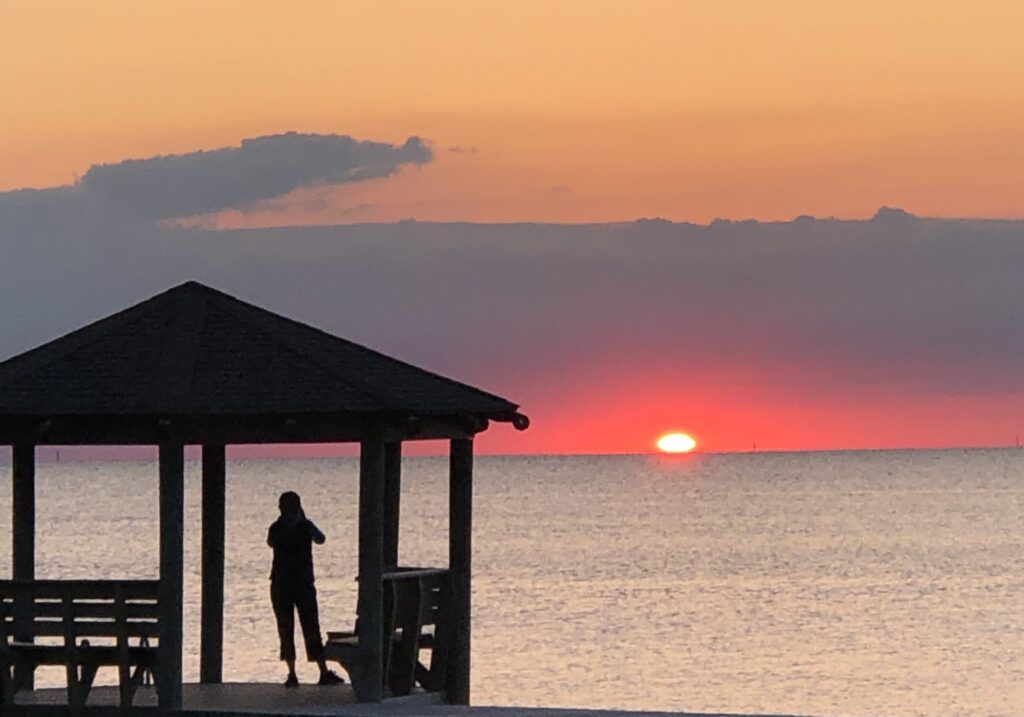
(357, 208)
(286, 204)
(561, 318)
(257, 170)
(463, 149)
(556, 189)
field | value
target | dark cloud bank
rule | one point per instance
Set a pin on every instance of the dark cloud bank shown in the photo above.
(892, 305)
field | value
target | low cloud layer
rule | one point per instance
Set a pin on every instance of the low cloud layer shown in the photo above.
(823, 320)
(258, 169)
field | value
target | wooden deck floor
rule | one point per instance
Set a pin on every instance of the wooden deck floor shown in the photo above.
(233, 699)
(264, 700)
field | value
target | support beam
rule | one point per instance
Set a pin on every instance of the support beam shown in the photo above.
(392, 501)
(23, 497)
(172, 521)
(211, 651)
(460, 558)
(24, 505)
(370, 624)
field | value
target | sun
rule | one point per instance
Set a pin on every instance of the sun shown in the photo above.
(676, 443)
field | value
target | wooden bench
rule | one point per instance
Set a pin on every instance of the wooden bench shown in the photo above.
(415, 621)
(81, 625)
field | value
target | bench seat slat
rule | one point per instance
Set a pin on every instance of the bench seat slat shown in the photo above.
(57, 654)
(80, 589)
(85, 629)
(108, 610)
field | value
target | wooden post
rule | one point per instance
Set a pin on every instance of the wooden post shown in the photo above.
(24, 504)
(392, 501)
(23, 499)
(371, 568)
(460, 558)
(211, 651)
(172, 533)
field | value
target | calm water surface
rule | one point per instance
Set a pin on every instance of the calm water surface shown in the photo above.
(820, 583)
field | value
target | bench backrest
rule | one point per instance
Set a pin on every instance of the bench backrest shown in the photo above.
(419, 595)
(78, 609)
(419, 619)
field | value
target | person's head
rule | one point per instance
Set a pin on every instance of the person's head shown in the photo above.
(289, 503)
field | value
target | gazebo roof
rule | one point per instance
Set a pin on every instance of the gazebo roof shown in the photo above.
(198, 354)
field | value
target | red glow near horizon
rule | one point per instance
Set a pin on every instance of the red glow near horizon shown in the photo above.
(625, 419)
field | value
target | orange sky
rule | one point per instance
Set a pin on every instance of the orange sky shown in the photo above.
(568, 111)
(588, 111)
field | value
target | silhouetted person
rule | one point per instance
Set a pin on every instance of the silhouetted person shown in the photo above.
(292, 586)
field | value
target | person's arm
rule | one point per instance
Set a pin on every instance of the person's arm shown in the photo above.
(272, 536)
(315, 534)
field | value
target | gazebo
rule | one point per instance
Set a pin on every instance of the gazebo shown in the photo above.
(195, 366)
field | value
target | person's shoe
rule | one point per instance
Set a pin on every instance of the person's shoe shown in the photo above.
(331, 678)
(292, 682)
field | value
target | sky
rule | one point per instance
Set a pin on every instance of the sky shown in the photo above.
(460, 184)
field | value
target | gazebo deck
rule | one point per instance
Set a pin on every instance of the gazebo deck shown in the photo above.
(262, 699)
(237, 698)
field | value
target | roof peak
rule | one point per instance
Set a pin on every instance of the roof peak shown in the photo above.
(193, 285)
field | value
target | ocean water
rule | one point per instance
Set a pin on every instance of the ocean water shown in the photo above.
(852, 583)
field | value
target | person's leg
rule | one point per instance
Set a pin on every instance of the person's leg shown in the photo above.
(283, 601)
(309, 618)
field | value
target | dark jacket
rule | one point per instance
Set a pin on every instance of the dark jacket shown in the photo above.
(292, 541)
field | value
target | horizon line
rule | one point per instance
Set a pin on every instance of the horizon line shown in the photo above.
(882, 214)
(543, 454)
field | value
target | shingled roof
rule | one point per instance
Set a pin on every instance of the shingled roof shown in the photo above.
(196, 351)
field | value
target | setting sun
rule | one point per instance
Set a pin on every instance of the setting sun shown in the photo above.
(676, 443)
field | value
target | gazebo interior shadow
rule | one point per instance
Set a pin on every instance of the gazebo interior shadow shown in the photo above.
(194, 366)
